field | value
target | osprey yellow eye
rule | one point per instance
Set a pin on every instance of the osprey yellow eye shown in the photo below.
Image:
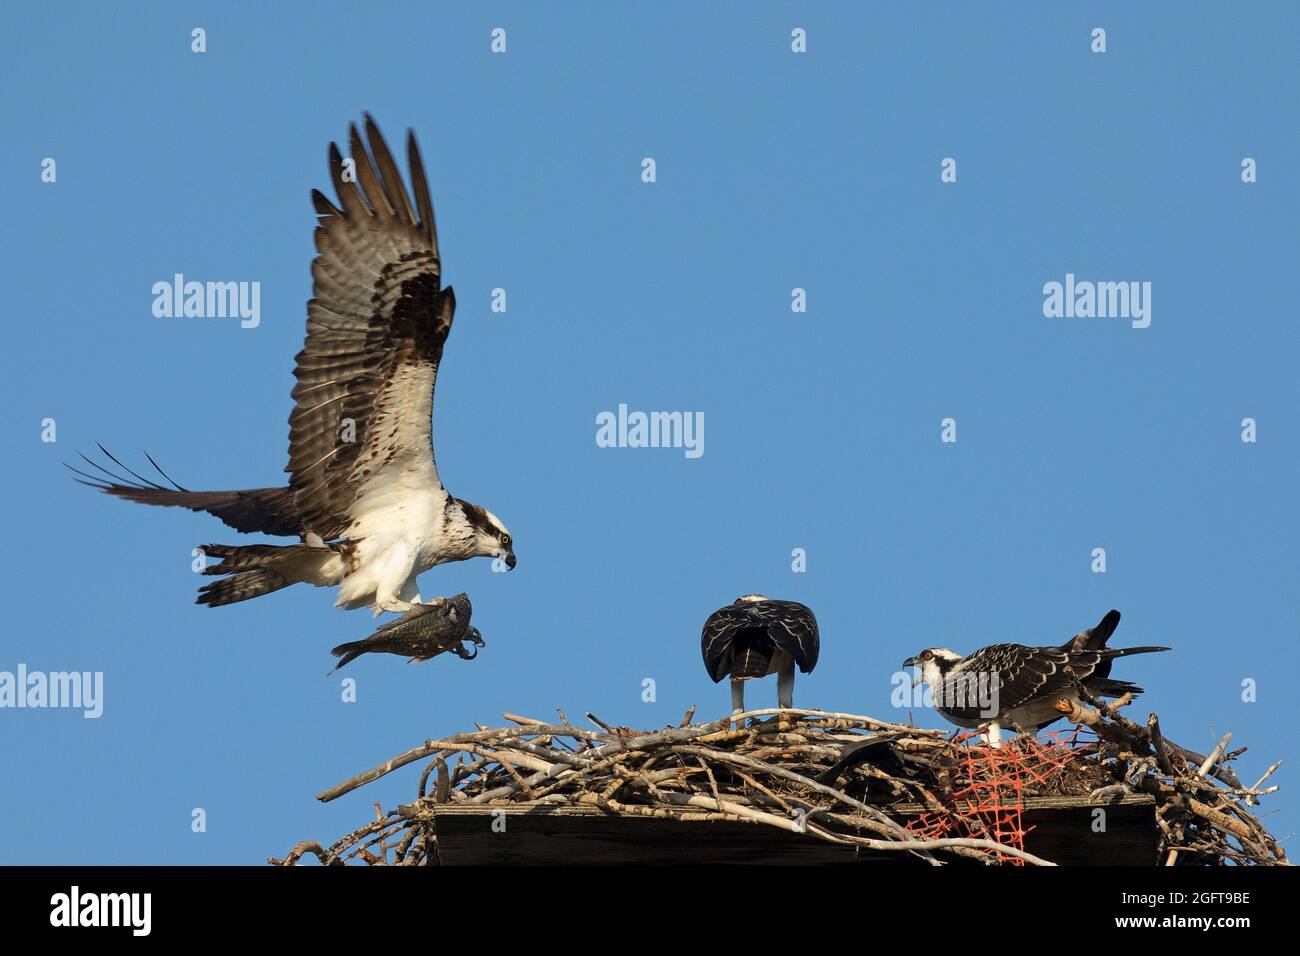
(926, 655)
(505, 540)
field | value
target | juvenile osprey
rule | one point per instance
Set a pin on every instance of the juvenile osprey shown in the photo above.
(755, 637)
(364, 494)
(1011, 685)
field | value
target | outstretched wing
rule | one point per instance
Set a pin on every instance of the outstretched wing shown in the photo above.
(376, 326)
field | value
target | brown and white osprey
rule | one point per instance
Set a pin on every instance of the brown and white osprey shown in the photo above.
(1011, 685)
(364, 495)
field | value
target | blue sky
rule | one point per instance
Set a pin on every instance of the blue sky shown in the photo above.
(774, 171)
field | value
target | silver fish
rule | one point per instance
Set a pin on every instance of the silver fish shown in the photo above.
(424, 631)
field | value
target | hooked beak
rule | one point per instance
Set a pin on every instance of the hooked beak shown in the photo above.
(914, 662)
(510, 560)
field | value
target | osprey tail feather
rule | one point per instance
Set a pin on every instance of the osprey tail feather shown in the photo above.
(1102, 684)
(258, 569)
(241, 587)
(1113, 652)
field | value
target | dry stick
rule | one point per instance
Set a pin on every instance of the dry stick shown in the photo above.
(429, 748)
(335, 849)
(399, 854)
(306, 846)
(713, 784)
(443, 792)
(546, 754)
(739, 810)
(882, 822)
(807, 808)
(514, 718)
(644, 742)
(1191, 756)
(771, 819)
(1267, 773)
(379, 818)
(346, 846)
(1217, 752)
(439, 763)
(1162, 758)
(523, 785)
(1158, 745)
(1220, 820)
(869, 723)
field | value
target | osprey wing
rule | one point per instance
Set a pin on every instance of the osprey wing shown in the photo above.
(722, 637)
(1016, 673)
(376, 326)
(793, 628)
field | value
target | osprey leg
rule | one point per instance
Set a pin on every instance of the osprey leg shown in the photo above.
(737, 696)
(785, 684)
(410, 593)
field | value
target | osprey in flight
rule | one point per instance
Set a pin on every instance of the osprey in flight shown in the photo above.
(755, 637)
(1016, 686)
(364, 496)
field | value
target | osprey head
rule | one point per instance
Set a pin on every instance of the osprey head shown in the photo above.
(934, 663)
(491, 539)
(751, 598)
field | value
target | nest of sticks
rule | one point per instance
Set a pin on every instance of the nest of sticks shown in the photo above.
(840, 778)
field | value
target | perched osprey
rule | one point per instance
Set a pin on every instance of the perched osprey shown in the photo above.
(364, 494)
(1011, 685)
(755, 637)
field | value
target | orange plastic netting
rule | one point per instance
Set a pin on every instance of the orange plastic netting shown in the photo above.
(990, 786)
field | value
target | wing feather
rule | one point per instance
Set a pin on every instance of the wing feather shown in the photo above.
(1017, 672)
(375, 194)
(394, 190)
(421, 185)
(793, 628)
(376, 325)
(739, 639)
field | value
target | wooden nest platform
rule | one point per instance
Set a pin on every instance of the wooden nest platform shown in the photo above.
(800, 786)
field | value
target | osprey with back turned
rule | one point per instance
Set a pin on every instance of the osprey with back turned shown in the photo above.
(756, 636)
